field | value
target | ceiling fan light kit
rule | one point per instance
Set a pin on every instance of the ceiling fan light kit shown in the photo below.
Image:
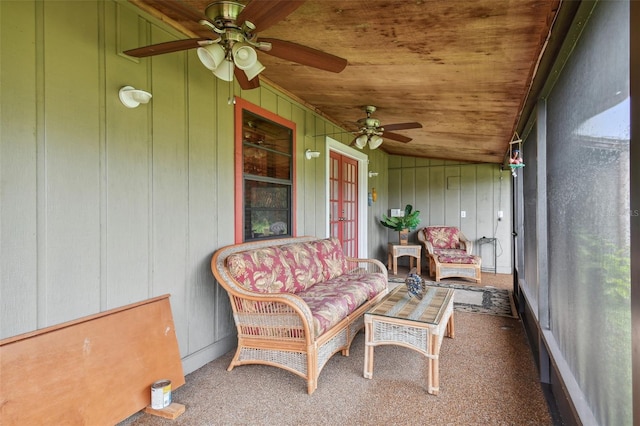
(246, 58)
(225, 70)
(244, 55)
(375, 141)
(211, 56)
(253, 71)
(371, 132)
(361, 141)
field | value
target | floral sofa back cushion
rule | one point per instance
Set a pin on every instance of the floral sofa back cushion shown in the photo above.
(289, 268)
(263, 270)
(331, 255)
(306, 267)
(443, 237)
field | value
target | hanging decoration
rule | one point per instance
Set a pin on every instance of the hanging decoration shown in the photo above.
(515, 154)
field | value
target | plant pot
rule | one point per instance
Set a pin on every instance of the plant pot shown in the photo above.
(404, 237)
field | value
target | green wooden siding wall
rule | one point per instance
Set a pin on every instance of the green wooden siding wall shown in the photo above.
(102, 205)
(441, 190)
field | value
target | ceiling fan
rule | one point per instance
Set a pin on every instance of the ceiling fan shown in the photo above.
(231, 50)
(370, 130)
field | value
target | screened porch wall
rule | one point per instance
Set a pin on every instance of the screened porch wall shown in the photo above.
(579, 291)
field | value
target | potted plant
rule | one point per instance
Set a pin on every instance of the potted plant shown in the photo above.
(403, 224)
(260, 227)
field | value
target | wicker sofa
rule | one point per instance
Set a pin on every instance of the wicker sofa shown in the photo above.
(296, 301)
(449, 253)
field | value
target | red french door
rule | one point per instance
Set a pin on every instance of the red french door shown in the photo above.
(343, 201)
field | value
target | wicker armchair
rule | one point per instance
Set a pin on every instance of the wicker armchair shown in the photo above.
(449, 253)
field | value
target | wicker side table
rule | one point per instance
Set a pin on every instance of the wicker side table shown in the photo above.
(401, 319)
(398, 250)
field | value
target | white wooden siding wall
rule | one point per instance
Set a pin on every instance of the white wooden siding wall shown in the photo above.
(102, 205)
(442, 189)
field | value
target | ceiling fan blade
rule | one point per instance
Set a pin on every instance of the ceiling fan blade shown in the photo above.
(265, 13)
(402, 126)
(305, 55)
(168, 47)
(396, 137)
(244, 82)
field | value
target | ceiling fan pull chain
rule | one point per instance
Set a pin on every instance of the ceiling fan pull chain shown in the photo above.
(231, 100)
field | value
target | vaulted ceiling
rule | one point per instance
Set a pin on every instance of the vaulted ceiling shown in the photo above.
(461, 68)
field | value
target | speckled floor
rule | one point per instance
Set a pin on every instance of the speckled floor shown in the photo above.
(487, 376)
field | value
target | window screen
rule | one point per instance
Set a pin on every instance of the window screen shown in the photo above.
(588, 213)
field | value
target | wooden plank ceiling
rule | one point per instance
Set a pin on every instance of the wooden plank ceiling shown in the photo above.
(461, 68)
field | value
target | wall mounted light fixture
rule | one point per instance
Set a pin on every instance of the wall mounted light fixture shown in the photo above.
(373, 174)
(131, 97)
(311, 154)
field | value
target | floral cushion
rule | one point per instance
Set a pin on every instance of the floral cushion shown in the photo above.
(315, 271)
(289, 268)
(442, 237)
(331, 301)
(334, 262)
(263, 270)
(450, 252)
(467, 258)
(305, 264)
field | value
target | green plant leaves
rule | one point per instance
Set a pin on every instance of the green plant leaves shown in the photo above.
(411, 220)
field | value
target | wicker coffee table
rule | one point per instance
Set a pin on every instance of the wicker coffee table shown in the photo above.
(404, 320)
